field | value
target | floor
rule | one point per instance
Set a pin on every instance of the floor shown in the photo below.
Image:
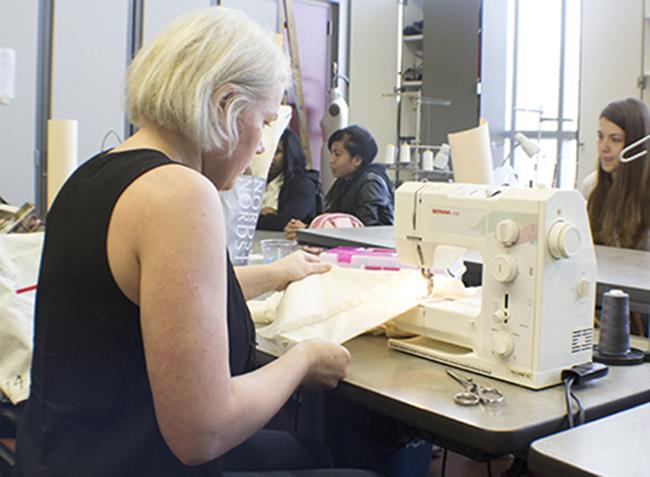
(460, 466)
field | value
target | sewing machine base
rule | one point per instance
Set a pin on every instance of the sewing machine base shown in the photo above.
(466, 359)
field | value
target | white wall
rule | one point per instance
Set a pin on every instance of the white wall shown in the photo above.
(18, 27)
(88, 67)
(89, 64)
(373, 53)
(265, 12)
(158, 13)
(610, 66)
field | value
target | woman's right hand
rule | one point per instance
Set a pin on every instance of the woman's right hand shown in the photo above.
(328, 364)
(292, 226)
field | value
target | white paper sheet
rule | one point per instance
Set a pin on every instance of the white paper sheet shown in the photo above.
(471, 155)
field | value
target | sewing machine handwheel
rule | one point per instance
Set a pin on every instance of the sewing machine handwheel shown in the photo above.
(563, 240)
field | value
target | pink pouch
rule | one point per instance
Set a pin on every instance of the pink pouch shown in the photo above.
(365, 258)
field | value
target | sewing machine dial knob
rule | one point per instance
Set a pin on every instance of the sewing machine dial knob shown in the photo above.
(501, 316)
(502, 343)
(507, 232)
(563, 240)
(504, 268)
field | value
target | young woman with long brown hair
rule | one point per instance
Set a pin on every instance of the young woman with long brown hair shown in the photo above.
(619, 203)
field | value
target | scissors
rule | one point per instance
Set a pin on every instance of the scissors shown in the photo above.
(474, 393)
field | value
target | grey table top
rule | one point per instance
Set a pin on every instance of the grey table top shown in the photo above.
(380, 236)
(418, 392)
(626, 269)
(616, 445)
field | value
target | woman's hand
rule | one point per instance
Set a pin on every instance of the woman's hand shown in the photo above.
(257, 279)
(297, 266)
(268, 211)
(291, 227)
(328, 363)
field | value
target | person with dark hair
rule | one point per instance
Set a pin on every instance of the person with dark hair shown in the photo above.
(618, 193)
(292, 192)
(619, 201)
(362, 189)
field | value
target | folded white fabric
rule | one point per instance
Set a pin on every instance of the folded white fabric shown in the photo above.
(264, 312)
(344, 303)
(20, 256)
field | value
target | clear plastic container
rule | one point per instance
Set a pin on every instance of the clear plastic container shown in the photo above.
(275, 249)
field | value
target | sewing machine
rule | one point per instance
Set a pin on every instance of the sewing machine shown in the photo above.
(534, 315)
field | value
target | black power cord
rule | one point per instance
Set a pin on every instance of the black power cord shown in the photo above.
(568, 395)
(577, 375)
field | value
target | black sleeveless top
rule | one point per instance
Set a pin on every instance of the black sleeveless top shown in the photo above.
(90, 410)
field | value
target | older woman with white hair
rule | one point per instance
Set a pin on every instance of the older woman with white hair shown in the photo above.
(143, 359)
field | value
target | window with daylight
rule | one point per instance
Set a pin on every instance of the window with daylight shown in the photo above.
(542, 99)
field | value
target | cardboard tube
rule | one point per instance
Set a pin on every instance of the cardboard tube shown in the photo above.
(61, 154)
(471, 155)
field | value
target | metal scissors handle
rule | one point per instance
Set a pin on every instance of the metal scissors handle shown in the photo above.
(474, 393)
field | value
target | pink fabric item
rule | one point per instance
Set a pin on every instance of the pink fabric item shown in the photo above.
(335, 220)
(365, 258)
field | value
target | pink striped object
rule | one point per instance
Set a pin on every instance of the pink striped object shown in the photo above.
(335, 220)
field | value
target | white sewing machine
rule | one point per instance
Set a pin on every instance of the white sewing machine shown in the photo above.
(535, 313)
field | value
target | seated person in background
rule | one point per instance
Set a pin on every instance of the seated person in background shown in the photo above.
(619, 200)
(361, 188)
(291, 192)
(619, 193)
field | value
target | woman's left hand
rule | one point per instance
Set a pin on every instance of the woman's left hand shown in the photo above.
(297, 266)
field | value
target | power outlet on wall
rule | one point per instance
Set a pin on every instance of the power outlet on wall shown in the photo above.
(7, 75)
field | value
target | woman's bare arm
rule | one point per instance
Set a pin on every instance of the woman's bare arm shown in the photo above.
(167, 251)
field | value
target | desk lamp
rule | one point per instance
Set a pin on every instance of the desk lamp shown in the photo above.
(528, 146)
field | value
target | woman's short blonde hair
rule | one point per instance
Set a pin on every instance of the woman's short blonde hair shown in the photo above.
(201, 72)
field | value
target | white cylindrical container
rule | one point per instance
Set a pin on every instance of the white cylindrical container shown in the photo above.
(427, 160)
(404, 153)
(61, 154)
(390, 154)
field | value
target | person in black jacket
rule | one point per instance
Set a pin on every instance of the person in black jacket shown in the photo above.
(362, 188)
(291, 192)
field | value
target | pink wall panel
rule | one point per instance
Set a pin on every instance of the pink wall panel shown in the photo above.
(313, 48)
